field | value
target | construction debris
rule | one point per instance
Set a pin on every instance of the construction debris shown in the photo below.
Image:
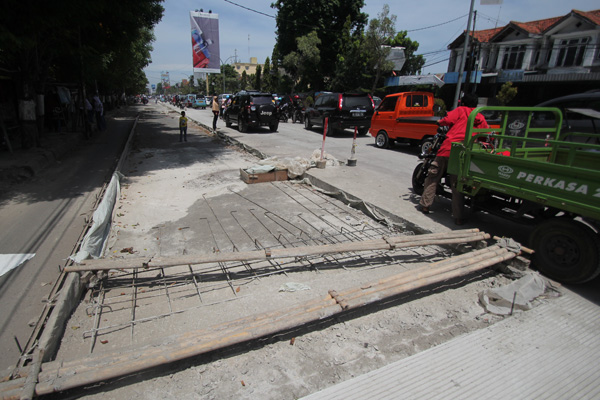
(63, 375)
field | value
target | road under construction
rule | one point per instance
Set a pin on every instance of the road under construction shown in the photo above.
(201, 269)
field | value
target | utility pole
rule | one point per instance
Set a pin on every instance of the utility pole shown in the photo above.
(464, 56)
(471, 57)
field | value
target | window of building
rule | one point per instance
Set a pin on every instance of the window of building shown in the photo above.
(513, 57)
(571, 51)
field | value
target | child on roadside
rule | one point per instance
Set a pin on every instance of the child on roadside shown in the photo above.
(183, 127)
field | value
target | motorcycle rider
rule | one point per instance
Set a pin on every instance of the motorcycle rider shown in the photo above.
(457, 121)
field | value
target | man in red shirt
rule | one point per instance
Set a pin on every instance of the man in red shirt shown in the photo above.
(457, 120)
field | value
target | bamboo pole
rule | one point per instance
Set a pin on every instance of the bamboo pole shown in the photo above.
(396, 290)
(32, 378)
(388, 243)
(424, 274)
(56, 377)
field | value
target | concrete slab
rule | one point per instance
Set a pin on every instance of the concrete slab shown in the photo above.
(547, 353)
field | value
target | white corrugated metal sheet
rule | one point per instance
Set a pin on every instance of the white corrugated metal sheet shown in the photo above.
(550, 352)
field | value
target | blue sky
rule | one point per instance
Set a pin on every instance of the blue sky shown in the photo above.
(432, 23)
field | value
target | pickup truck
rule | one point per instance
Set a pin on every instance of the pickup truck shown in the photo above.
(405, 117)
(539, 176)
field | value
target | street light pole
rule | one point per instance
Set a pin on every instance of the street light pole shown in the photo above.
(223, 69)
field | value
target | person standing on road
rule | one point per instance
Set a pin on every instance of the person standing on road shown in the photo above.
(99, 110)
(183, 127)
(457, 121)
(215, 111)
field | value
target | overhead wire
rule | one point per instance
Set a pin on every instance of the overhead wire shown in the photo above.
(275, 17)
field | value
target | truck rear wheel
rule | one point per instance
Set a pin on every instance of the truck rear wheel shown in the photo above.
(381, 140)
(566, 250)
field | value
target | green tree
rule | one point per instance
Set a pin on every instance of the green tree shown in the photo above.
(267, 80)
(298, 18)
(275, 77)
(258, 78)
(104, 44)
(413, 64)
(298, 63)
(380, 33)
(351, 66)
(244, 81)
(506, 94)
(230, 76)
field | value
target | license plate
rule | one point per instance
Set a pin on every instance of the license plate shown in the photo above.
(357, 113)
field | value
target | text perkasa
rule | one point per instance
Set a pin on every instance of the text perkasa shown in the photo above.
(560, 184)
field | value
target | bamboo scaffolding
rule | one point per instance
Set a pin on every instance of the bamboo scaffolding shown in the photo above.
(386, 243)
(60, 376)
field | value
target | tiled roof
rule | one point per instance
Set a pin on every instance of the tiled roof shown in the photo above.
(485, 35)
(593, 16)
(535, 27)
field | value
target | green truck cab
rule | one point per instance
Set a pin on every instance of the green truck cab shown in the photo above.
(527, 171)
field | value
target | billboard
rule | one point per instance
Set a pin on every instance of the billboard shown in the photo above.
(205, 42)
(164, 79)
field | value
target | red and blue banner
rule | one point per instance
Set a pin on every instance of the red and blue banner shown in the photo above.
(205, 42)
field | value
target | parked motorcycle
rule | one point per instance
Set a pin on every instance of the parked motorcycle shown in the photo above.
(422, 169)
(284, 113)
(298, 115)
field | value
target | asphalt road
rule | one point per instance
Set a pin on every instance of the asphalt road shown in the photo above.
(46, 216)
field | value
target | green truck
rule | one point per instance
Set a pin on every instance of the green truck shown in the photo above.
(528, 171)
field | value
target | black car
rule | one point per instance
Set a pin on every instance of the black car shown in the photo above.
(252, 109)
(581, 114)
(344, 110)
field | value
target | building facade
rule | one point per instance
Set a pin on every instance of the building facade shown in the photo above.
(250, 67)
(543, 58)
